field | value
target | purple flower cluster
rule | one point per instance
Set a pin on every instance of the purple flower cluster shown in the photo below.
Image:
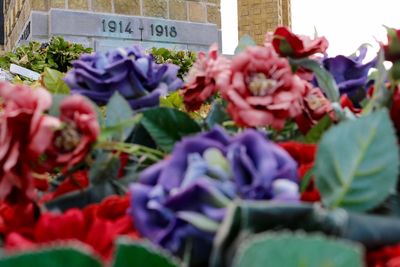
(350, 73)
(129, 71)
(181, 200)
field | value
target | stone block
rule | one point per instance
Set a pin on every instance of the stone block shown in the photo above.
(178, 10)
(214, 15)
(57, 4)
(128, 7)
(155, 8)
(78, 4)
(197, 12)
(40, 5)
(102, 6)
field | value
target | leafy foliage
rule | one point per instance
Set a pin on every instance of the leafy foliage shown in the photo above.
(349, 173)
(181, 58)
(56, 54)
(287, 249)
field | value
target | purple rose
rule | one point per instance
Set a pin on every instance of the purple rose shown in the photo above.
(350, 73)
(181, 200)
(129, 71)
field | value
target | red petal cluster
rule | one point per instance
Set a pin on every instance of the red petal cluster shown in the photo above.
(201, 81)
(304, 155)
(289, 44)
(97, 225)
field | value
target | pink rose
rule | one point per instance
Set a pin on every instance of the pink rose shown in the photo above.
(200, 82)
(25, 133)
(79, 131)
(261, 89)
(314, 107)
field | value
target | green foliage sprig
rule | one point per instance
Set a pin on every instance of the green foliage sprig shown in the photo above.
(56, 54)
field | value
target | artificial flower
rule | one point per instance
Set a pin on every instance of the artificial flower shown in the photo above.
(261, 89)
(200, 83)
(26, 133)
(79, 131)
(385, 257)
(97, 225)
(128, 71)
(350, 73)
(314, 107)
(392, 48)
(200, 178)
(289, 44)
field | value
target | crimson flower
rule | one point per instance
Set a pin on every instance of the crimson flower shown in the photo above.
(288, 44)
(26, 133)
(98, 225)
(201, 81)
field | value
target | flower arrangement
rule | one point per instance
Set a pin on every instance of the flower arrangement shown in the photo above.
(293, 160)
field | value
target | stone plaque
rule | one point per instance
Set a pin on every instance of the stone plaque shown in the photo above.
(78, 23)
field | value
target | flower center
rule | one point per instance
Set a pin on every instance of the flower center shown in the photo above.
(68, 138)
(260, 85)
(316, 102)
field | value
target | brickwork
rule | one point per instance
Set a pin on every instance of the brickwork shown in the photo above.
(257, 17)
(201, 11)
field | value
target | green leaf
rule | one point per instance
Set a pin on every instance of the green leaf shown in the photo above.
(119, 112)
(217, 114)
(173, 100)
(357, 163)
(325, 80)
(130, 253)
(315, 134)
(53, 81)
(77, 256)
(244, 42)
(167, 126)
(55, 104)
(297, 250)
(104, 168)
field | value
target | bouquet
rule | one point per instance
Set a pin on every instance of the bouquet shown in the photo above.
(279, 156)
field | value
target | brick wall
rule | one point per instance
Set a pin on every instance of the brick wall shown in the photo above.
(257, 17)
(204, 11)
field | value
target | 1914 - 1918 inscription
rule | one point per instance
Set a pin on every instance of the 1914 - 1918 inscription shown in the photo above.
(120, 26)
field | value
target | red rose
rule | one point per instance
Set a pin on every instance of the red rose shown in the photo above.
(346, 102)
(80, 129)
(261, 89)
(297, 46)
(392, 49)
(26, 133)
(200, 83)
(98, 225)
(304, 155)
(314, 107)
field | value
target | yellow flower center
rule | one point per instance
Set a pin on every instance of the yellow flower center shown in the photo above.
(260, 85)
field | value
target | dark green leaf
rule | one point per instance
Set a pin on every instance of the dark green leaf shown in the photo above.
(118, 112)
(357, 163)
(168, 126)
(315, 134)
(104, 168)
(76, 256)
(133, 254)
(325, 80)
(244, 42)
(53, 81)
(286, 249)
